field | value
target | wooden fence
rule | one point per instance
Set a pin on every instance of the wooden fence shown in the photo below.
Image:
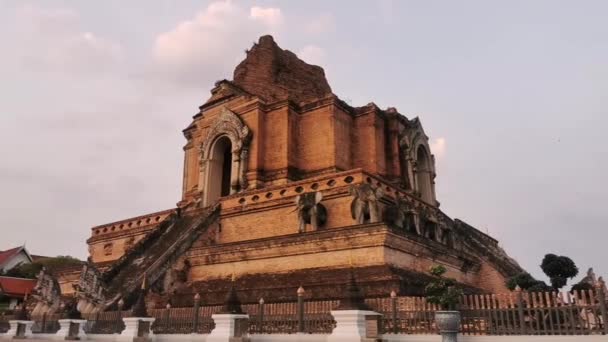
(514, 313)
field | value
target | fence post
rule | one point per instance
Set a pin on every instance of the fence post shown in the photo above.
(197, 307)
(167, 313)
(394, 311)
(301, 309)
(117, 324)
(261, 316)
(520, 310)
(602, 298)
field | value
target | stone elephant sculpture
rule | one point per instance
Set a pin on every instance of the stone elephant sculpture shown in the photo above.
(401, 215)
(364, 207)
(310, 211)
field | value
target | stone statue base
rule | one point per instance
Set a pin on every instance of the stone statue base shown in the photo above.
(355, 326)
(69, 331)
(132, 329)
(229, 328)
(19, 330)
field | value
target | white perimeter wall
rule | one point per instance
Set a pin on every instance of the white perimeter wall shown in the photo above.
(322, 338)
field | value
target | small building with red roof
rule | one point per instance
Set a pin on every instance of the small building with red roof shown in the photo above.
(13, 291)
(13, 257)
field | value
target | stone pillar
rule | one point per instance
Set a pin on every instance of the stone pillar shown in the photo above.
(19, 329)
(234, 172)
(72, 329)
(197, 308)
(300, 309)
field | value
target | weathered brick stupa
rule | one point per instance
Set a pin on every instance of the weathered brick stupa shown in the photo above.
(284, 185)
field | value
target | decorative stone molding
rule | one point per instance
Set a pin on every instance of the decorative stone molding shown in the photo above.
(411, 139)
(90, 290)
(47, 294)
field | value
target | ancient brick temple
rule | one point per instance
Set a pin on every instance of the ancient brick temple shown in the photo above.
(284, 185)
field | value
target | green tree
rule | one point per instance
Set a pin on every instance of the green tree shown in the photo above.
(559, 269)
(526, 281)
(31, 270)
(442, 291)
(581, 286)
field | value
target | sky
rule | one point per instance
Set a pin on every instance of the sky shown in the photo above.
(512, 94)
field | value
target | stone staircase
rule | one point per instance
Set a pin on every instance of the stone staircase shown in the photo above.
(156, 253)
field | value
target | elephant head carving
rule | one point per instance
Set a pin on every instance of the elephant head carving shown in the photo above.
(310, 211)
(401, 215)
(364, 208)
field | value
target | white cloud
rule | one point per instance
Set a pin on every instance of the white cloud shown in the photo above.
(312, 54)
(438, 147)
(55, 40)
(270, 16)
(201, 48)
(321, 24)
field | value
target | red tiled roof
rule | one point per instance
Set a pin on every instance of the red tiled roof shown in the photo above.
(16, 286)
(6, 255)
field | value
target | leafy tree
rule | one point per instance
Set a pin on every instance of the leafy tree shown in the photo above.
(559, 269)
(24, 270)
(582, 286)
(31, 270)
(526, 281)
(442, 291)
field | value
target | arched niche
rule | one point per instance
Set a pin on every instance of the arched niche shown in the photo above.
(405, 161)
(424, 174)
(224, 155)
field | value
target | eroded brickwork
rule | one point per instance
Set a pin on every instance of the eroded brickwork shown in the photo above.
(315, 187)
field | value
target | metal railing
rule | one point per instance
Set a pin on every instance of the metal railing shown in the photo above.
(514, 313)
(109, 322)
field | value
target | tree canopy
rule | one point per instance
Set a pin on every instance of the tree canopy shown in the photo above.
(31, 270)
(527, 282)
(559, 269)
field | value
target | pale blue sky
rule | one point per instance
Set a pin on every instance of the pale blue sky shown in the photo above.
(512, 94)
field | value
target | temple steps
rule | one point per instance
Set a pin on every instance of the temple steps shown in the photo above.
(156, 253)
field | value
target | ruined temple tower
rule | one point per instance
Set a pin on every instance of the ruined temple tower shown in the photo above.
(284, 184)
